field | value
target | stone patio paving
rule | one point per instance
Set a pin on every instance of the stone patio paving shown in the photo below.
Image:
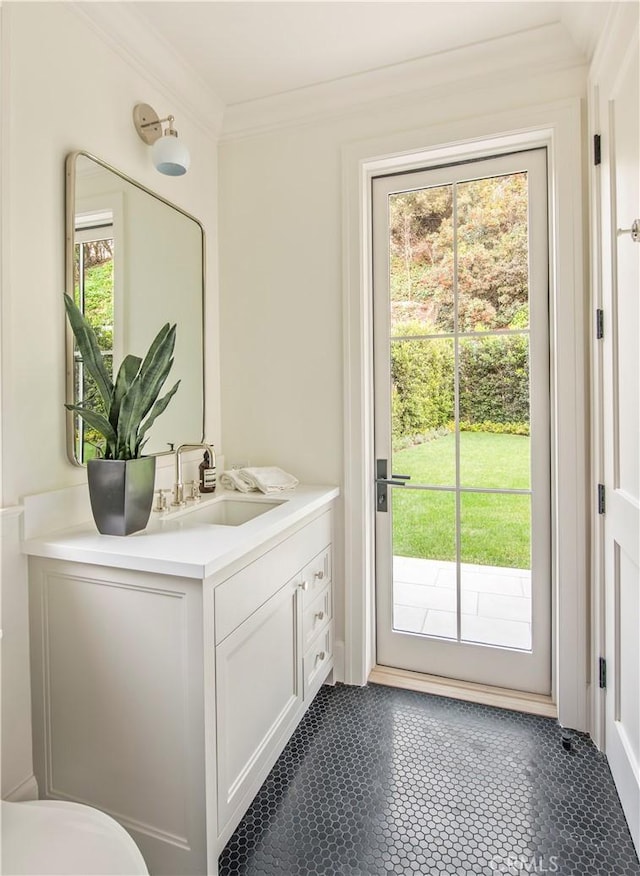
(495, 601)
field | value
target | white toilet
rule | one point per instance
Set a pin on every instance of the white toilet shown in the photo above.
(47, 837)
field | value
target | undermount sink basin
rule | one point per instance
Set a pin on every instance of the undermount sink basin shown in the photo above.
(228, 512)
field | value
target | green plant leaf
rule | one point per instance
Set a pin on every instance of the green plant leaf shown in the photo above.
(136, 389)
(100, 423)
(128, 421)
(155, 368)
(159, 339)
(144, 390)
(158, 408)
(126, 375)
(89, 350)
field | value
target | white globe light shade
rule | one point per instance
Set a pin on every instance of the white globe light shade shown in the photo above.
(170, 156)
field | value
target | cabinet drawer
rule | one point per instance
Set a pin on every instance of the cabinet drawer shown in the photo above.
(243, 593)
(318, 660)
(316, 575)
(316, 616)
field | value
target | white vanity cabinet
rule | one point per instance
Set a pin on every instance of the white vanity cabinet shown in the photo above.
(261, 685)
(165, 700)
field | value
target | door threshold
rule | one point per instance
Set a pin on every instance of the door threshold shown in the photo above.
(485, 694)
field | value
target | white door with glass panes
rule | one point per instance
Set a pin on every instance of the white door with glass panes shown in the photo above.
(461, 370)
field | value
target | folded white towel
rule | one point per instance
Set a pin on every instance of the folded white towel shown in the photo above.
(268, 479)
(231, 480)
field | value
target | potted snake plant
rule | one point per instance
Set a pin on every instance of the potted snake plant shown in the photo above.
(121, 482)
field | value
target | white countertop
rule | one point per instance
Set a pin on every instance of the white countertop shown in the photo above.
(173, 545)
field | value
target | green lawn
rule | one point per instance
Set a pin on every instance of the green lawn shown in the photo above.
(495, 528)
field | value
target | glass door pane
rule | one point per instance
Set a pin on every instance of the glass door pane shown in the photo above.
(495, 576)
(425, 596)
(492, 253)
(421, 270)
(423, 410)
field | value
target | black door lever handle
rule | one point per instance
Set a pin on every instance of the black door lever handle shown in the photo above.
(382, 482)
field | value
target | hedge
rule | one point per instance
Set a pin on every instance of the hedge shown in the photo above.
(493, 384)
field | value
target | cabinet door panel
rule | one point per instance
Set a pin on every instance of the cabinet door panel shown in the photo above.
(258, 690)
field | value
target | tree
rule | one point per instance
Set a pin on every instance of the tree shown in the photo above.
(490, 259)
(492, 254)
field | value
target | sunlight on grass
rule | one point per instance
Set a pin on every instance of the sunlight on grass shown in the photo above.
(486, 460)
(495, 528)
(424, 524)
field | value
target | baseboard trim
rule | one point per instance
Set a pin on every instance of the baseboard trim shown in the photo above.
(25, 791)
(519, 701)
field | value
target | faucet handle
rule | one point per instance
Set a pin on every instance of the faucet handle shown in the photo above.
(178, 496)
(194, 492)
(161, 501)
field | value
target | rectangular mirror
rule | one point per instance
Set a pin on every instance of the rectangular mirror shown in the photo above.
(133, 262)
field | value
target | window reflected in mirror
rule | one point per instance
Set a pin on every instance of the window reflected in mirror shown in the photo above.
(134, 263)
(94, 295)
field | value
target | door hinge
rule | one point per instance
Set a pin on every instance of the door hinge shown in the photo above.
(601, 503)
(602, 672)
(597, 149)
(599, 324)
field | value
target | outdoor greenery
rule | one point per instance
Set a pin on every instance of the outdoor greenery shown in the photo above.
(93, 292)
(495, 527)
(487, 460)
(488, 268)
(492, 255)
(422, 385)
(493, 377)
(98, 302)
(492, 282)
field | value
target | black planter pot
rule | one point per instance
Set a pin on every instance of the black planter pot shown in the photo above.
(121, 493)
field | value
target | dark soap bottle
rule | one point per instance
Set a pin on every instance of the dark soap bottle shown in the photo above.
(207, 474)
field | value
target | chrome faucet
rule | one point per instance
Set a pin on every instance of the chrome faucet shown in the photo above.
(178, 488)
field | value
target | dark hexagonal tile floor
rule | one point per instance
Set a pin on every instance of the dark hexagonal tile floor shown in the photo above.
(378, 780)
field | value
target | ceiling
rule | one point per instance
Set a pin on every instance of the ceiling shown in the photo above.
(245, 51)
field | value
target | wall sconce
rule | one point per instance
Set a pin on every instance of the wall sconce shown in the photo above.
(170, 155)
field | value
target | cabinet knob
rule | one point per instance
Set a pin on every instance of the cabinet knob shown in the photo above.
(321, 655)
(304, 585)
(319, 575)
(320, 615)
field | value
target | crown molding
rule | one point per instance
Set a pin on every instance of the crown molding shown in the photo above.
(623, 19)
(539, 50)
(154, 58)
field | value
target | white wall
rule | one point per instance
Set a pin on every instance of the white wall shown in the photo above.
(281, 264)
(65, 87)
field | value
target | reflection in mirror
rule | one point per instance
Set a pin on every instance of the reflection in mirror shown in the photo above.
(134, 262)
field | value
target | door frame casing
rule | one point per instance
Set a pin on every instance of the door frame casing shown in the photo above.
(557, 127)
